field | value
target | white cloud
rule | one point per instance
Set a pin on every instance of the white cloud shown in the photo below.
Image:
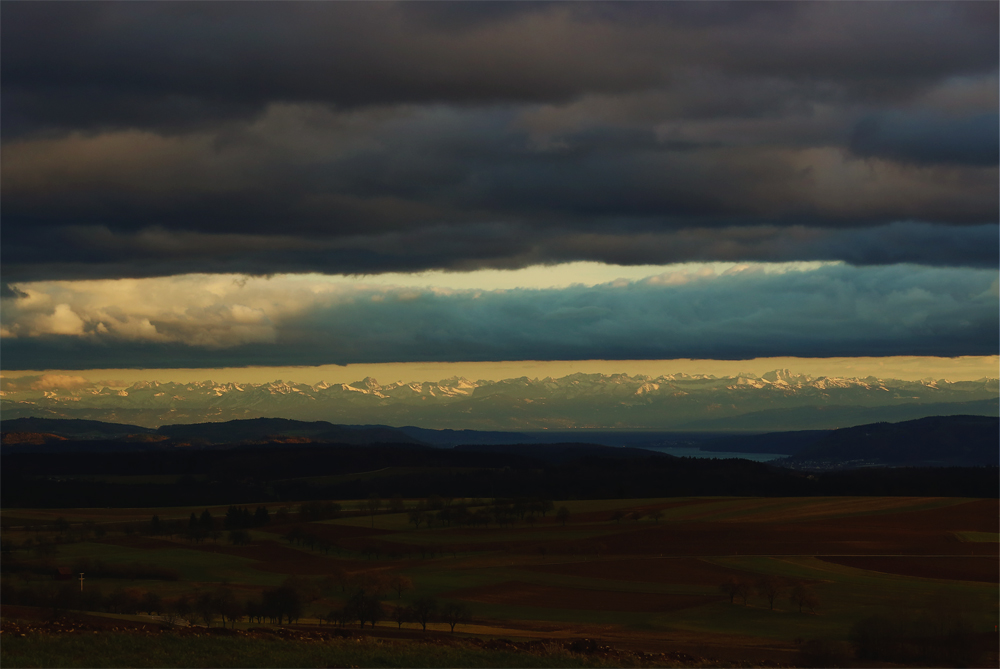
(62, 321)
(706, 311)
(220, 311)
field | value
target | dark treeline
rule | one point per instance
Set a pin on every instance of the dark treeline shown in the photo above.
(216, 477)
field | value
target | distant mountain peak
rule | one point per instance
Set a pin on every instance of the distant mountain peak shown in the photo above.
(367, 383)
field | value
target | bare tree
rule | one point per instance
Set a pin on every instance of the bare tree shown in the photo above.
(182, 606)
(803, 597)
(424, 610)
(768, 587)
(562, 514)
(455, 613)
(364, 607)
(399, 583)
(228, 606)
(402, 614)
(205, 608)
(735, 587)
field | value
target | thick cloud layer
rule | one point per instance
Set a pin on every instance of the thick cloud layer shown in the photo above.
(746, 312)
(153, 139)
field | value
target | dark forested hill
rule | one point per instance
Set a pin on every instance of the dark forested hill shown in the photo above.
(260, 429)
(73, 428)
(829, 416)
(770, 442)
(293, 473)
(934, 441)
(92, 435)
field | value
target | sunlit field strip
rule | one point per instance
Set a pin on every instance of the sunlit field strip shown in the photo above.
(793, 509)
(979, 537)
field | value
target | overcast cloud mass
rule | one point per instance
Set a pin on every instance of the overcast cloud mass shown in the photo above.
(164, 139)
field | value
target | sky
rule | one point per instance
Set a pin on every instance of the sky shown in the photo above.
(265, 186)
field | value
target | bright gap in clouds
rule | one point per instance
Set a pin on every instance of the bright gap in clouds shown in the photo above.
(563, 275)
(220, 310)
(912, 368)
(574, 311)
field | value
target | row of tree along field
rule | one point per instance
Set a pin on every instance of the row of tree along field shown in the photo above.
(770, 588)
(362, 594)
(42, 540)
(430, 510)
(940, 635)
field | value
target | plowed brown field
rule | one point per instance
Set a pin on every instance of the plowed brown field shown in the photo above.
(924, 532)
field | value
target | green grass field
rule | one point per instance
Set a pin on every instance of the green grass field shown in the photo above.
(979, 537)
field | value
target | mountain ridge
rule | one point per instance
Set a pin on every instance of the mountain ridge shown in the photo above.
(941, 441)
(948, 441)
(575, 401)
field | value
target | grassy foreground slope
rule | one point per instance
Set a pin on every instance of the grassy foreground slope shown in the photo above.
(637, 574)
(122, 649)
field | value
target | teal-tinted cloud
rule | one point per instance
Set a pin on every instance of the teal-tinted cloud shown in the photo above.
(835, 310)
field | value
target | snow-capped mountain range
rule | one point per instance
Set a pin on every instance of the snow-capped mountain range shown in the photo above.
(595, 401)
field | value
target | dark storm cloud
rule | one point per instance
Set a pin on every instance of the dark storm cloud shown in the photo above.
(303, 189)
(377, 53)
(99, 253)
(973, 140)
(133, 56)
(6, 290)
(160, 138)
(830, 311)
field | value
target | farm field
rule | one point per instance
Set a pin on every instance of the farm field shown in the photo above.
(641, 575)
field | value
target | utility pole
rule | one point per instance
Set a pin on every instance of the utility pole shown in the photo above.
(81, 581)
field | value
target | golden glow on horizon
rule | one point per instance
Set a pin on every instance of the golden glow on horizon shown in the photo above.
(562, 275)
(967, 368)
